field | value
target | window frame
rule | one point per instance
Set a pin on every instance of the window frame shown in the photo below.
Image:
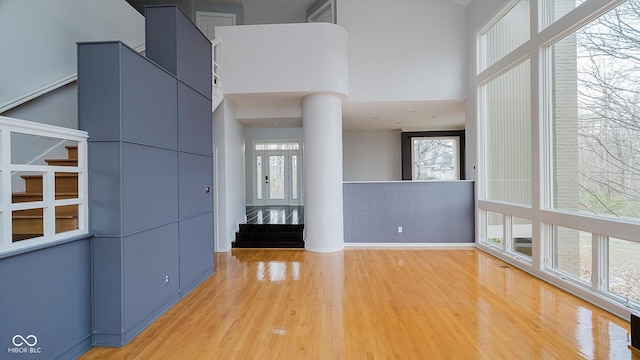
(406, 143)
(541, 213)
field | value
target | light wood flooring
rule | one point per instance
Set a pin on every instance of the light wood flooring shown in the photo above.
(375, 304)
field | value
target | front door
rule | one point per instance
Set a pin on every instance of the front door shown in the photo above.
(276, 181)
(277, 177)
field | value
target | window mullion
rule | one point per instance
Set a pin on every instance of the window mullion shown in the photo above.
(600, 262)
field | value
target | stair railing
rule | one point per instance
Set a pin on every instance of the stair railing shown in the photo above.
(216, 86)
(215, 67)
(47, 202)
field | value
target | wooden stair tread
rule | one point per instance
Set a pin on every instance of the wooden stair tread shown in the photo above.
(16, 217)
(29, 222)
(58, 174)
(22, 194)
(61, 161)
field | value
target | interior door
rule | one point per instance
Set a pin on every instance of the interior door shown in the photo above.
(207, 22)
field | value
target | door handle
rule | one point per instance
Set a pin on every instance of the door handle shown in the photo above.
(266, 179)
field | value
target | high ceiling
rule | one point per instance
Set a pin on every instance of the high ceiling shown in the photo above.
(406, 115)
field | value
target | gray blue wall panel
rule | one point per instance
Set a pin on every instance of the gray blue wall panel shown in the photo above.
(429, 212)
(99, 63)
(160, 35)
(196, 251)
(194, 121)
(107, 292)
(195, 175)
(149, 96)
(190, 58)
(105, 189)
(149, 209)
(194, 55)
(149, 257)
(47, 293)
(149, 183)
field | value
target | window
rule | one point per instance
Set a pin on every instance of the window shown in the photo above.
(507, 160)
(596, 116)
(278, 146)
(434, 158)
(522, 235)
(624, 269)
(552, 10)
(494, 229)
(572, 251)
(559, 144)
(433, 155)
(505, 35)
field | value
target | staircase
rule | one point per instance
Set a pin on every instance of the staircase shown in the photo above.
(269, 236)
(29, 223)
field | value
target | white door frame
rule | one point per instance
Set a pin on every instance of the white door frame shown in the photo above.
(255, 182)
(202, 15)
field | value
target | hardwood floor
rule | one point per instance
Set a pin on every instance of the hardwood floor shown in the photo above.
(290, 215)
(375, 304)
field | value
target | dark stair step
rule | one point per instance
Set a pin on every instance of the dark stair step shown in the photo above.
(269, 236)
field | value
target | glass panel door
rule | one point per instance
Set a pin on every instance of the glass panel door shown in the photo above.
(277, 174)
(276, 178)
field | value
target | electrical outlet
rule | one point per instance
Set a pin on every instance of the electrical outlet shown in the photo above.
(399, 229)
(166, 279)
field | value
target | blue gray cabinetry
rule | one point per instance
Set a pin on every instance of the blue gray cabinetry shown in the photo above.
(150, 174)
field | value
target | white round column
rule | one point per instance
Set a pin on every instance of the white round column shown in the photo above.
(322, 170)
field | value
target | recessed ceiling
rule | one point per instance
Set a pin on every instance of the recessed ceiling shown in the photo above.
(285, 109)
(406, 115)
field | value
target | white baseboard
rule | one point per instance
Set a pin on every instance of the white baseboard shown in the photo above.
(411, 246)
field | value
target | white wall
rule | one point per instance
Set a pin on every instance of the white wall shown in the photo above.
(405, 50)
(284, 58)
(477, 13)
(229, 151)
(253, 134)
(371, 155)
(39, 39)
(58, 107)
(276, 13)
(219, 182)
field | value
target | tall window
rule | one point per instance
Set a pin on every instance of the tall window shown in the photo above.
(508, 135)
(596, 116)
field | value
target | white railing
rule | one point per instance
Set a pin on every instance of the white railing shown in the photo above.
(216, 86)
(215, 67)
(16, 134)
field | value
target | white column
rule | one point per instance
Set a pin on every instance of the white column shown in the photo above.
(322, 131)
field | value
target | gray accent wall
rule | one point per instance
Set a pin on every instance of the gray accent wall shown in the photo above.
(150, 165)
(428, 211)
(47, 293)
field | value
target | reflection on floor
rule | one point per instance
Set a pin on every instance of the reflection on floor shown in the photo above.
(272, 227)
(275, 215)
(375, 304)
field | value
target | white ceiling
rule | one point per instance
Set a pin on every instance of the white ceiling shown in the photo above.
(284, 110)
(259, 111)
